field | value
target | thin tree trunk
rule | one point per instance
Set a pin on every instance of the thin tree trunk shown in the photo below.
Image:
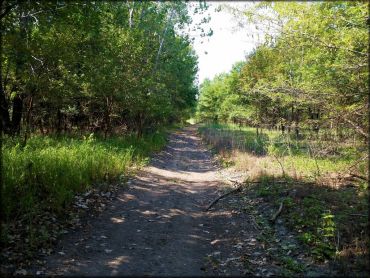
(162, 40)
(59, 121)
(140, 125)
(28, 120)
(130, 16)
(4, 112)
(107, 117)
(19, 70)
(17, 114)
(42, 126)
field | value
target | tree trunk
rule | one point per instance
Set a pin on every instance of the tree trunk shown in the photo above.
(140, 124)
(42, 126)
(107, 118)
(17, 114)
(59, 121)
(169, 21)
(4, 112)
(296, 126)
(19, 70)
(5, 118)
(28, 120)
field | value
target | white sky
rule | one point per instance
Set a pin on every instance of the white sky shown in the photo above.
(226, 46)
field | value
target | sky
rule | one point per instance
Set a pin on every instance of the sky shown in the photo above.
(226, 46)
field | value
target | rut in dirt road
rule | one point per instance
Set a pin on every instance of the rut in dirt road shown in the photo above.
(158, 226)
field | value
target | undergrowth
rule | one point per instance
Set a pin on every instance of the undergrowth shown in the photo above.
(272, 153)
(40, 180)
(329, 218)
(47, 171)
(331, 223)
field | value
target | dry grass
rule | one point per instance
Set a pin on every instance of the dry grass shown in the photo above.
(253, 165)
(327, 214)
(275, 155)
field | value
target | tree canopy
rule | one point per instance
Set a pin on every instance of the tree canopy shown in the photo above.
(310, 72)
(97, 66)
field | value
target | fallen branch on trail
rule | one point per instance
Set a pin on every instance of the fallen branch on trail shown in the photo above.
(359, 177)
(237, 189)
(273, 218)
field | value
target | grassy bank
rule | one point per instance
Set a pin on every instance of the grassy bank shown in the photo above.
(42, 178)
(274, 153)
(49, 170)
(321, 202)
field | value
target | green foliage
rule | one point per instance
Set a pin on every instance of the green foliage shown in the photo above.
(291, 266)
(47, 171)
(310, 73)
(294, 154)
(316, 212)
(98, 66)
(318, 215)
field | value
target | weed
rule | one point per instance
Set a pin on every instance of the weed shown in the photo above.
(291, 265)
(330, 219)
(282, 154)
(47, 171)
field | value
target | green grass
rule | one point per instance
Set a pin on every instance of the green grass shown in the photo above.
(331, 221)
(48, 171)
(309, 157)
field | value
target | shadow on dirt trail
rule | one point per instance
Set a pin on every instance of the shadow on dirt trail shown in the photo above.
(158, 226)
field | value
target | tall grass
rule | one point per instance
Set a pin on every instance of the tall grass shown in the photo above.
(47, 171)
(272, 152)
(329, 217)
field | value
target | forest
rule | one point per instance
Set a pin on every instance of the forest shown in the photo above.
(91, 90)
(91, 69)
(63, 66)
(311, 76)
(86, 90)
(297, 108)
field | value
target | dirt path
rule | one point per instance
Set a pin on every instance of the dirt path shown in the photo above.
(157, 226)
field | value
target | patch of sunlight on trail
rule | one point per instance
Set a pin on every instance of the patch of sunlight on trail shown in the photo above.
(188, 176)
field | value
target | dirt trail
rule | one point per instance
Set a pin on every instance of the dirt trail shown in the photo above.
(157, 226)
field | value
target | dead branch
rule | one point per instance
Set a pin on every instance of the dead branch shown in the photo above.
(357, 161)
(359, 177)
(237, 189)
(350, 171)
(358, 128)
(233, 181)
(281, 165)
(273, 218)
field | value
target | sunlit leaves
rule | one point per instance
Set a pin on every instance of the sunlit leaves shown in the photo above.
(315, 56)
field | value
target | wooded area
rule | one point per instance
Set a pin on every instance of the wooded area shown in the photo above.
(311, 73)
(294, 117)
(89, 91)
(95, 66)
